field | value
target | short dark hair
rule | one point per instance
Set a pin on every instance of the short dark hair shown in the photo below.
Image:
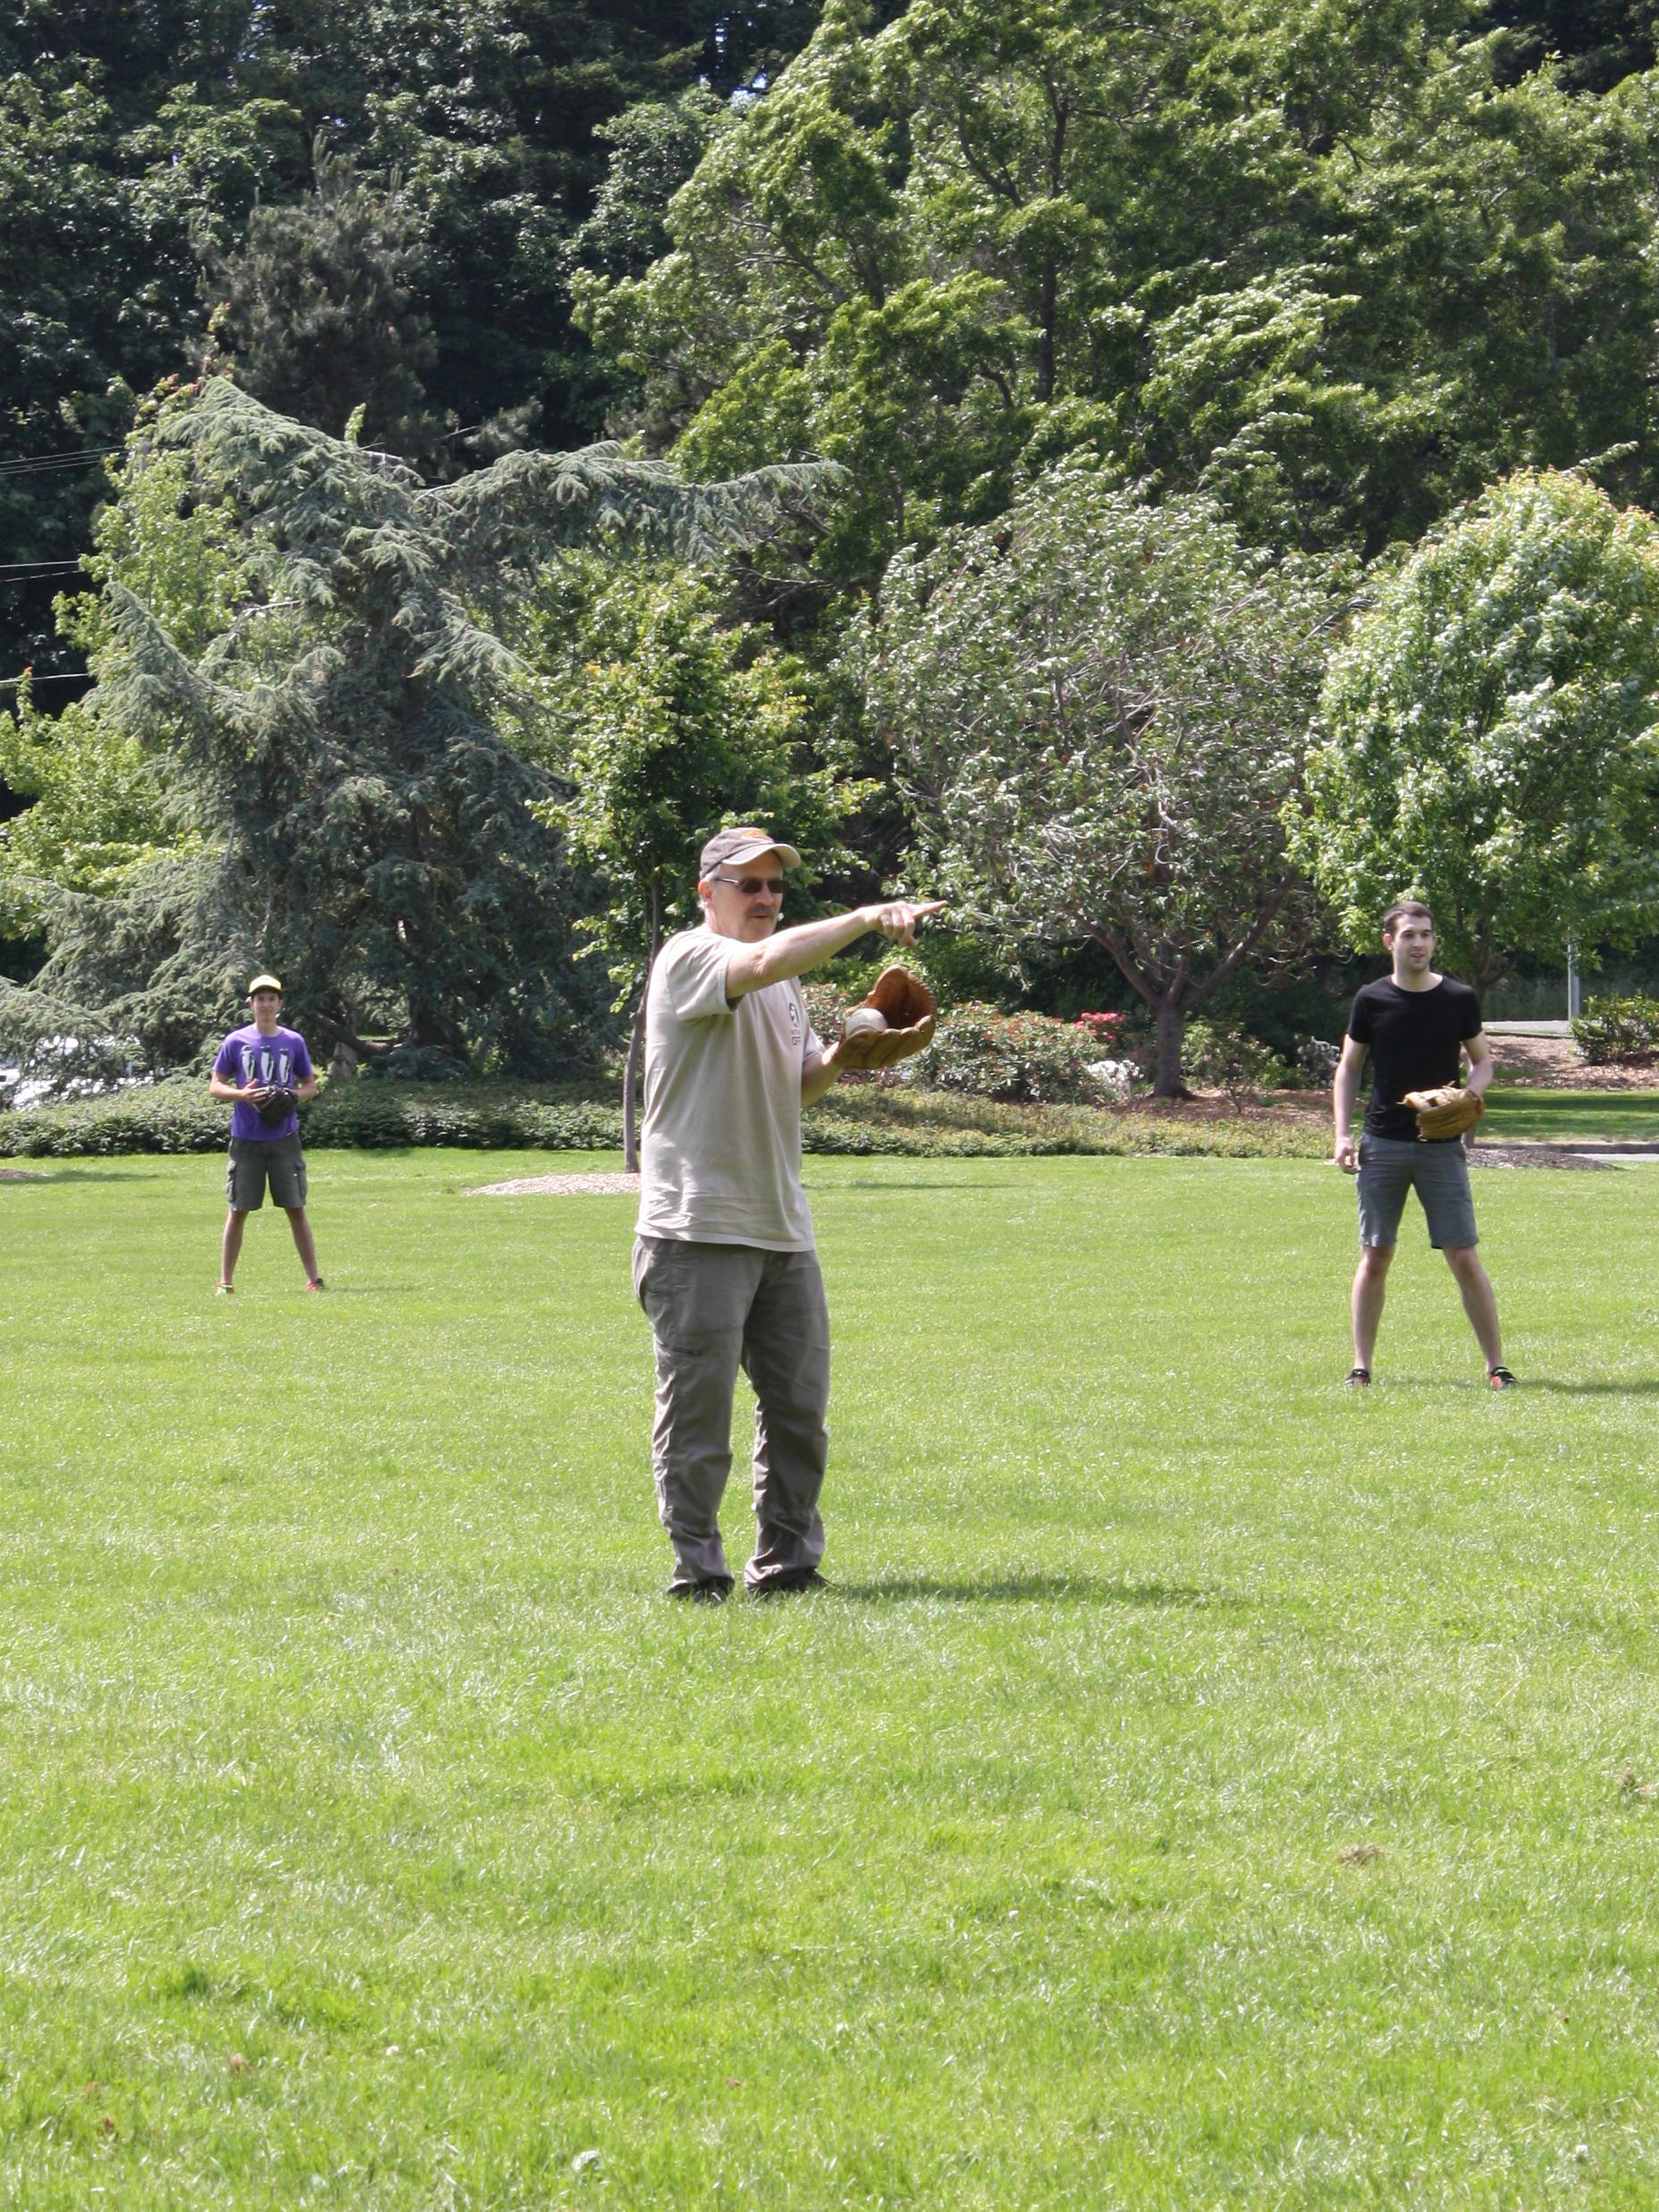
(1398, 912)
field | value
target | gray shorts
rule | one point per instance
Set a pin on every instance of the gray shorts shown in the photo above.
(255, 1160)
(1391, 1166)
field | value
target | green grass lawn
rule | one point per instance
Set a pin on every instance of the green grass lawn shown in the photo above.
(1202, 1788)
(1614, 1117)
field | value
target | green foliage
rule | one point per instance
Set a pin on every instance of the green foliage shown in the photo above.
(1098, 708)
(1490, 732)
(137, 142)
(660, 723)
(654, 146)
(97, 815)
(1219, 1055)
(362, 825)
(178, 1116)
(859, 1119)
(1324, 260)
(315, 314)
(1022, 1059)
(1617, 1030)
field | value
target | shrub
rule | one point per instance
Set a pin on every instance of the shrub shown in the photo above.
(1618, 1029)
(179, 1117)
(1219, 1057)
(1316, 1062)
(1027, 1060)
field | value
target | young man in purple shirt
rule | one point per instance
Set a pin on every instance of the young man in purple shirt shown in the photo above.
(264, 1070)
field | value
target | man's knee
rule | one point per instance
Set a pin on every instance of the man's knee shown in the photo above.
(1374, 1259)
(1464, 1262)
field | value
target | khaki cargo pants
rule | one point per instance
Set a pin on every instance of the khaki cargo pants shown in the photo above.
(713, 1308)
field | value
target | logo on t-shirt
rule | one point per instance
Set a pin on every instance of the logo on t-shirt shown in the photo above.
(272, 1064)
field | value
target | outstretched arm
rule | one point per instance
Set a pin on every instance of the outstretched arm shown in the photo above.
(809, 944)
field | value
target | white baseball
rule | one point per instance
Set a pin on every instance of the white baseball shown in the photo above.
(863, 1021)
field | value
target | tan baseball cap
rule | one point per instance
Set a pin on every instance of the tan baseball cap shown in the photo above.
(265, 983)
(734, 847)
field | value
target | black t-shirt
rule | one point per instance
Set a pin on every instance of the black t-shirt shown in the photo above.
(1414, 1037)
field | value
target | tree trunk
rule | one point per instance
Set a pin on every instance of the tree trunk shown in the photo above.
(1172, 1023)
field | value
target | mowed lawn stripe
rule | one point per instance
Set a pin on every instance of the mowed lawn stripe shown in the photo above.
(1202, 1786)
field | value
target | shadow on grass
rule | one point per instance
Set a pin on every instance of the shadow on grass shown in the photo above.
(1640, 1386)
(91, 1175)
(1032, 1589)
(879, 1182)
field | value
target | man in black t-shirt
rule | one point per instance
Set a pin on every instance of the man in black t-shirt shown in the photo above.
(1416, 1026)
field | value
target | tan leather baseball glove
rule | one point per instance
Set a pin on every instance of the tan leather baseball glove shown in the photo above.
(907, 1006)
(1446, 1111)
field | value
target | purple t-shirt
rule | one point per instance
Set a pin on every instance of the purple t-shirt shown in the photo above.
(280, 1059)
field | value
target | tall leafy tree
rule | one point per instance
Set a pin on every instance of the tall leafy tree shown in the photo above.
(661, 722)
(364, 827)
(1491, 732)
(1317, 257)
(1101, 710)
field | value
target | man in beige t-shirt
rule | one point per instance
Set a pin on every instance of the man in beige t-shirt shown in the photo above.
(724, 1262)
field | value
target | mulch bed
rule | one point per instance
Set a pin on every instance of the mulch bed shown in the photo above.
(1554, 1064)
(20, 1175)
(1533, 1156)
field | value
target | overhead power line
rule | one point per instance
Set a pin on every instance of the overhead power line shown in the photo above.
(71, 457)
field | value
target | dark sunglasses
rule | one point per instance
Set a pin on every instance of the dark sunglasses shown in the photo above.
(752, 886)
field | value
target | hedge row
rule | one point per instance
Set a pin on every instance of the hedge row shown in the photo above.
(179, 1117)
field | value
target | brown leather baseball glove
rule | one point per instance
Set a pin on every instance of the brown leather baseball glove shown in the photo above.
(908, 1007)
(1446, 1111)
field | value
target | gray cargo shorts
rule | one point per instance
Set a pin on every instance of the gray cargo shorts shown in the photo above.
(254, 1161)
(1438, 1173)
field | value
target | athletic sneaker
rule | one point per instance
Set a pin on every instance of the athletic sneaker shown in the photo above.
(316, 1283)
(225, 1290)
(1500, 1378)
(1358, 1379)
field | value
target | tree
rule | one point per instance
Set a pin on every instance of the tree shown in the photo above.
(1318, 259)
(1490, 732)
(315, 314)
(663, 725)
(1099, 710)
(363, 825)
(102, 809)
(1600, 42)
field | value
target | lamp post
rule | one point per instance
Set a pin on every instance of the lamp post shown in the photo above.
(1575, 989)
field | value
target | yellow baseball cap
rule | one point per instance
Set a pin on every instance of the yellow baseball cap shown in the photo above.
(265, 983)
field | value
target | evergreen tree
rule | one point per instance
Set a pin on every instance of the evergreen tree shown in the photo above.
(315, 314)
(364, 827)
